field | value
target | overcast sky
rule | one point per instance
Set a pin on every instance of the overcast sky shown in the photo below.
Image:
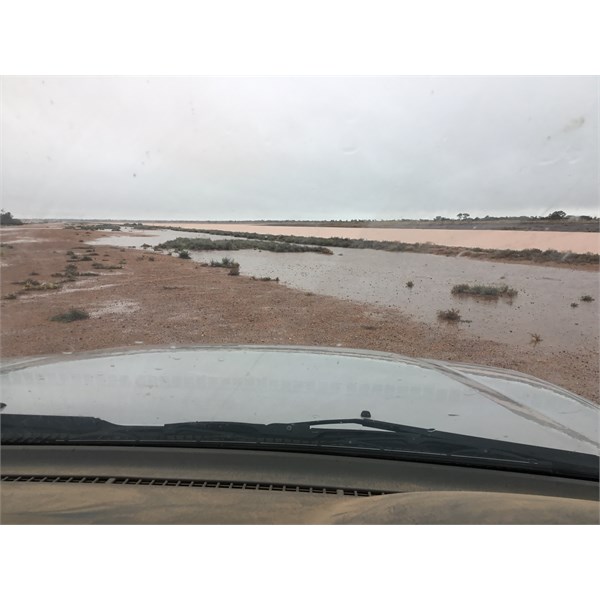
(298, 148)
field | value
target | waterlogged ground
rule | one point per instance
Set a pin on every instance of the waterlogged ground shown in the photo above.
(155, 299)
(542, 306)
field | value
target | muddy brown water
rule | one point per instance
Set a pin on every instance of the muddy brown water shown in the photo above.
(542, 306)
(563, 241)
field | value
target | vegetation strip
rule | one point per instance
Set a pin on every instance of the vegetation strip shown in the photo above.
(182, 244)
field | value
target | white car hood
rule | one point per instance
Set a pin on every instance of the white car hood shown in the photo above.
(262, 384)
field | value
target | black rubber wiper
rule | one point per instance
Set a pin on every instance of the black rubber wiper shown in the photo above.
(470, 450)
(375, 438)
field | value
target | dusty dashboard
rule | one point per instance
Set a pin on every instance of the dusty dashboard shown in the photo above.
(110, 485)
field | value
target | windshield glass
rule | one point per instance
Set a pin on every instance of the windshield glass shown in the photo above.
(423, 251)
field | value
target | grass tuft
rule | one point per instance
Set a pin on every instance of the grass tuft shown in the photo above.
(536, 338)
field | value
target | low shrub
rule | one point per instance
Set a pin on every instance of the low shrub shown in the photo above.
(98, 265)
(489, 291)
(587, 298)
(224, 262)
(73, 314)
(536, 338)
(33, 285)
(452, 314)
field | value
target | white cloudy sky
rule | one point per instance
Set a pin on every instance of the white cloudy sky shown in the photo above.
(298, 148)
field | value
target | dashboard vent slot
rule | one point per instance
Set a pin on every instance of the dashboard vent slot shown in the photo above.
(195, 483)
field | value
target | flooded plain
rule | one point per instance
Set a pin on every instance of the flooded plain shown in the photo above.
(563, 241)
(542, 306)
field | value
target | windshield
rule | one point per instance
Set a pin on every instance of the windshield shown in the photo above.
(259, 251)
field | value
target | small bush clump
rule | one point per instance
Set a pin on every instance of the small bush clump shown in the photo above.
(98, 265)
(73, 314)
(490, 291)
(587, 298)
(224, 262)
(184, 254)
(33, 285)
(410, 284)
(536, 338)
(452, 314)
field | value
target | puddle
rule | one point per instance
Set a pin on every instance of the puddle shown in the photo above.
(542, 306)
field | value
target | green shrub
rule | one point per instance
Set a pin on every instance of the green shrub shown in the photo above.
(224, 262)
(490, 291)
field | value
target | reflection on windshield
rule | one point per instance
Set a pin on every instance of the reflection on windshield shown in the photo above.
(425, 218)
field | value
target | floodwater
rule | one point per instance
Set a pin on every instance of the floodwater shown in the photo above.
(563, 241)
(542, 306)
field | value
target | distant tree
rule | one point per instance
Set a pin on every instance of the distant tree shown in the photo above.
(6, 218)
(438, 218)
(557, 214)
(463, 216)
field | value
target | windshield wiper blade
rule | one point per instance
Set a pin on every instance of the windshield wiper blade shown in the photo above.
(451, 445)
(375, 438)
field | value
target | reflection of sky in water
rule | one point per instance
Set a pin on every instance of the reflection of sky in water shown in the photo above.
(378, 277)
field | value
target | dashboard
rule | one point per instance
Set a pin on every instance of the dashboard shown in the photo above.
(147, 485)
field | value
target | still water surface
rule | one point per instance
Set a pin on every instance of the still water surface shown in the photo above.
(378, 278)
